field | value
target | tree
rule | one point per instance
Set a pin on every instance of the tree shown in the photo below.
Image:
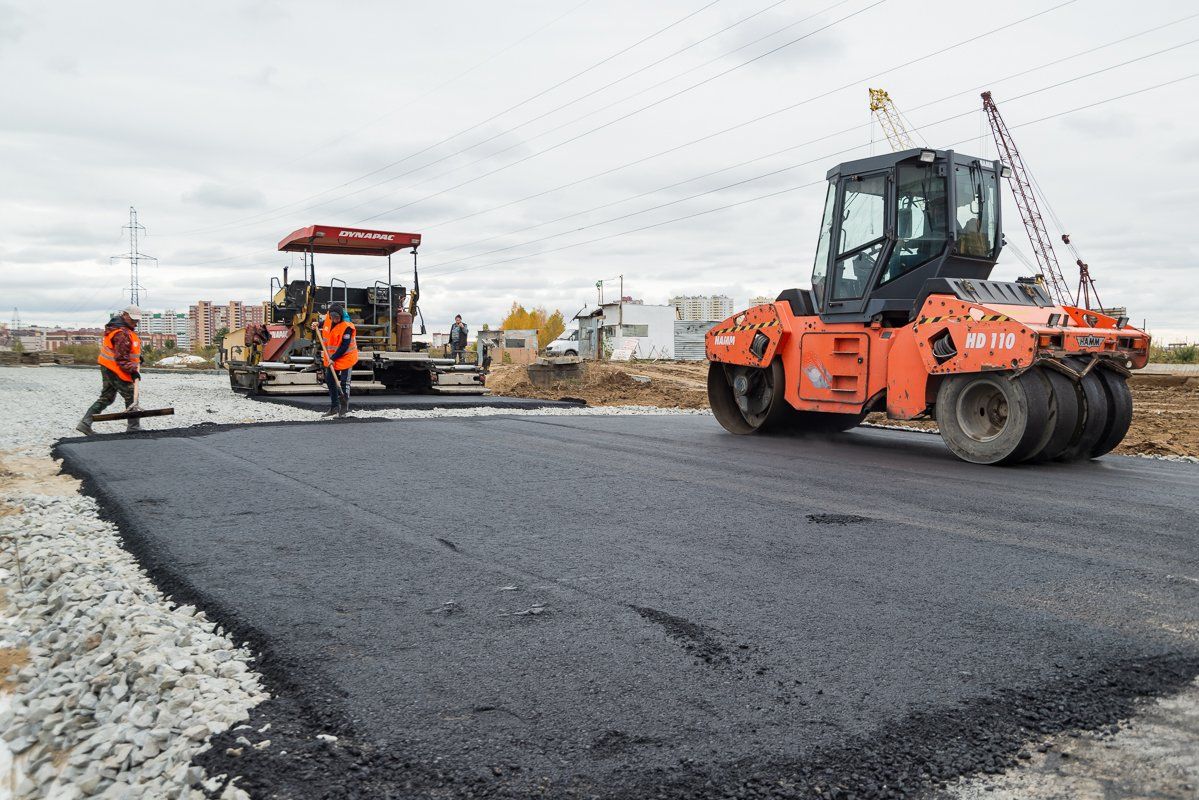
(548, 326)
(17, 346)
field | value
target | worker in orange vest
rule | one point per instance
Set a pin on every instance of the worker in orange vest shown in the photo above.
(340, 355)
(120, 362)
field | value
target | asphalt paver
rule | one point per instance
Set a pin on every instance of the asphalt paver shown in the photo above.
(648, 606)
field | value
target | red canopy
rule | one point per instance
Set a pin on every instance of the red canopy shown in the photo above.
(349, 241)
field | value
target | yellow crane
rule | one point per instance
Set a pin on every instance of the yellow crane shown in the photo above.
(882, 107)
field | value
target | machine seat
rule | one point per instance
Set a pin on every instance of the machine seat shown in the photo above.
(800, 300)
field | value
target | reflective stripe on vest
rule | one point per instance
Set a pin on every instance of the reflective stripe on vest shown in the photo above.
(333, 336)
(108, 355)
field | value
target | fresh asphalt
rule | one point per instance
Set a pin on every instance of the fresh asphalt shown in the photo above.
(373, 402)
(648, 606)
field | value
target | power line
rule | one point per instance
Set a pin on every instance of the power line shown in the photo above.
(548, 131)
(803, 144)
(578, 99)
(623, 117)
(768, 115)
(676, 148)
(475, 126)
(477, 65)
(788, 190)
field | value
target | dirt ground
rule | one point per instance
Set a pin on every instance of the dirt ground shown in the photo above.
(1165, 407)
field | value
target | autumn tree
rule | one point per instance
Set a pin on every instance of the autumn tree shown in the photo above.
(548, 326)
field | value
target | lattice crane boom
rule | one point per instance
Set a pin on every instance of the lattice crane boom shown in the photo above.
(1024, 192)
(884, 110)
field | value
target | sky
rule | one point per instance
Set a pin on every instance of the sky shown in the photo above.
(540, 146)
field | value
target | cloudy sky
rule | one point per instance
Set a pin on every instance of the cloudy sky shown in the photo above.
(543, 145)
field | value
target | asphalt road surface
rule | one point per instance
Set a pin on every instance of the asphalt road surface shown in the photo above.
(648, 606)
(370, 402)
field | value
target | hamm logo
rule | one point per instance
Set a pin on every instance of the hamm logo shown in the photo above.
(722, 341)
(1090, 341)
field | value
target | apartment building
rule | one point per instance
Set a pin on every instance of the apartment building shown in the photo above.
(702, 307)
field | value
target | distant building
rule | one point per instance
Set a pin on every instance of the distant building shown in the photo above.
(760, 300)
(235, 315)
(205, 318)
(255, 314)
(171, 324)
(58, 339)
(201, 321)
(641, 330)
(702, 307)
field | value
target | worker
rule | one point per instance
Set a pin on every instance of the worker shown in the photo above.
(340, 356)
(458, 339)
(120, 362)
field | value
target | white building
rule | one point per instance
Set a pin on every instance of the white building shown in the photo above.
(760, 300)
(702, 307)
(645, 330)
(168, 322)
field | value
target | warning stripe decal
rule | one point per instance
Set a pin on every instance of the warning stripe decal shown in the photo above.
(740, 328)
(951, 318)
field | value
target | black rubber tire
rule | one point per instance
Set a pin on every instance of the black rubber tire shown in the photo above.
(1092, 403)
(722, 399)
(993, 418)
(1119, 411)
(570, 353)
(1065, 414)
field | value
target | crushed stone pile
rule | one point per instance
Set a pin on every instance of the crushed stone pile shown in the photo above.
(115, 688)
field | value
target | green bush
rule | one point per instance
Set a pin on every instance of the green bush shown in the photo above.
(1187, 354)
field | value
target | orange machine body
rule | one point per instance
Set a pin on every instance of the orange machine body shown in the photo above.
(851, 367)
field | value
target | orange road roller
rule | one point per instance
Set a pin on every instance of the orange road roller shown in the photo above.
(903, 318)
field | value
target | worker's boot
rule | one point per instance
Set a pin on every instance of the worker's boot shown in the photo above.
(330, 413)
(85, 425)
(344, 407)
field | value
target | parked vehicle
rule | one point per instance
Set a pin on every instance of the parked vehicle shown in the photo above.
(565, 345)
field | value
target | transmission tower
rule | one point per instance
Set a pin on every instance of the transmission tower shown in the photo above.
(134, 256)
(1025, 190)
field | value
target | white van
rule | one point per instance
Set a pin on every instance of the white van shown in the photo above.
(565, 345)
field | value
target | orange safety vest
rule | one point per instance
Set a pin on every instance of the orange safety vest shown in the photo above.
(332, 335)
(108, 356)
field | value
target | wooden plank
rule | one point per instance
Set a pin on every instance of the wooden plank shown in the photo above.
(145, 412)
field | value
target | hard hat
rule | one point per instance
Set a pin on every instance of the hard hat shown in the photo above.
(132, 311)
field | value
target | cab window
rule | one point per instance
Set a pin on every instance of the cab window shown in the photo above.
(921, 218)
(863, 217)
(976, 218)
(820, 268)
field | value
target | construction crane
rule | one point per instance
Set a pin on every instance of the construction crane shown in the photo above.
(882, 107)
(1024, 189)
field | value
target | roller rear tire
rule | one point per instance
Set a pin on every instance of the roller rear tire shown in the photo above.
(1093, 415)
(993, 418)
(1119, 411)
(1065, 413)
